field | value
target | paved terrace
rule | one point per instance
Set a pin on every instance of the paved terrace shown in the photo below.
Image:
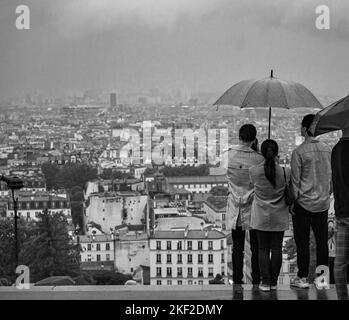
(206, 292)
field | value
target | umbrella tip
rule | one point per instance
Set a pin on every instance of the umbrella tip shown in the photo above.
(271, 73)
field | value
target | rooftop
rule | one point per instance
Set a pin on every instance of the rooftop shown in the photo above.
(197, 179)
(192, 234)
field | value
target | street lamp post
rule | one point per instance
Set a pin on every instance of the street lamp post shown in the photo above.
(14, 184)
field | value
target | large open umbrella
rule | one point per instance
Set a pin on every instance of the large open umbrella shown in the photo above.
(269, 93)
(332, 118)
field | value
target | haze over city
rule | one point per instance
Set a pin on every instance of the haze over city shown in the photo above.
(199, 45)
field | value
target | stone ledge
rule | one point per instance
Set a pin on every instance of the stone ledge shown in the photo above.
(137, 292)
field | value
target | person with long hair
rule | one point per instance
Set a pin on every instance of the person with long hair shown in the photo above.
(269, 212)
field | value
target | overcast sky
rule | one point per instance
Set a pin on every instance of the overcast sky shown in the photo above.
(208, 45)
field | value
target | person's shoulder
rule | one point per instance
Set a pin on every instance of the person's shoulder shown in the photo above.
(298, 149)
(259, 157)
(325, 146)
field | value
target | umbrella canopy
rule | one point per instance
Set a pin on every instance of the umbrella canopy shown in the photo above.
(269, 93)
(332, 118)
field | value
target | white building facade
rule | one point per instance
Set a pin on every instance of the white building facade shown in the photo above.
(189, 257)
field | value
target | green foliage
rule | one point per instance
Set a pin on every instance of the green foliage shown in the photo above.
(219, 191)
(110, 277)
(202, 170)
(48, 251)
(68, 176)
(110, 174)
(7, 245)
(72, 177)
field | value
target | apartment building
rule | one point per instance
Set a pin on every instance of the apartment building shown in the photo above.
(30, 205)
(97, 251)
(197, 184)
(187, 257)
(112, 209)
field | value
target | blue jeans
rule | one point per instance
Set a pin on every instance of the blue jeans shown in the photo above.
(270, 264)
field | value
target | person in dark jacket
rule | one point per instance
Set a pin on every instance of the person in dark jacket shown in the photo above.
(340, 178)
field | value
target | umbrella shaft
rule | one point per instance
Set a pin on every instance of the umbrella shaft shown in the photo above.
(269, 122)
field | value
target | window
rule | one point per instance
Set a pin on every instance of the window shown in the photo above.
(107, 257)
(98, 257)
(107, 246)
(179, 258)
(223, 216)
(169, 282)
(224, 226)
(210, 245)
(199, 245)
(89, 247)
(158, 272)
(210, 258)
(223, 271)
(210, 272)
(158, 245)
(169, 247)
(222, 244)
(190, 272)
(169, 272)
(169, 260)
(200, 282)
(190, 282)
(88, 257)
(292, 268)
(190, 245)
(222, 258)
(199, 258)
(179, 245)
(158, 282)
(179, 272)
(158, 258)
(180, 282)
(200, 272)
(28, 214)
(190, 258)
(98, 247)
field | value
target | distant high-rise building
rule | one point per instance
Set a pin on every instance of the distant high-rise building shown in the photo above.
(112, 100)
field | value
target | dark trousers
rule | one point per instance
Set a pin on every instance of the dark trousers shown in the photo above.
(302, 221)
(270, 255)
(342, 259)
(238, 237)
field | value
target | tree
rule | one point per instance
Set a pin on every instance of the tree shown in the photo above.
(48, 251)
(201, 170)
(7, 245)
(68, 176)
(50, 171)
(110, 278)
(219, 191)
